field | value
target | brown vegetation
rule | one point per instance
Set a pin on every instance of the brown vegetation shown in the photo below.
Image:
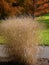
(16, 7)
(22, 35)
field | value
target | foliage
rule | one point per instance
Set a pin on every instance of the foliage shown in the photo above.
(23, 7)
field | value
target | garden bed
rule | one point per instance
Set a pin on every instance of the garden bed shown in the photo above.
(42, 59)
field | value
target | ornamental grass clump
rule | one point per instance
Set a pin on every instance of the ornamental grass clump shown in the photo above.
(22, 36)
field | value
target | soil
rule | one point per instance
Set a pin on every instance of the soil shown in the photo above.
(42, 61)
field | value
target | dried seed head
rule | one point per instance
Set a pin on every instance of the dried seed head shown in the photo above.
(22, 38)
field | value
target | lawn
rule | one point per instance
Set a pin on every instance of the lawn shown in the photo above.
(45, 33)
(2, 40)
(45, 37)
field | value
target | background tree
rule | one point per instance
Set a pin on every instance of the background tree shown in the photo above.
(42, 7)
(18, 7)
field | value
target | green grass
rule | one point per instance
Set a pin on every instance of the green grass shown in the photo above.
(45, 33)
(45, 37)
(2, 40)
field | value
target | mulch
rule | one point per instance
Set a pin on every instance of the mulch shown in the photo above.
(41, 61)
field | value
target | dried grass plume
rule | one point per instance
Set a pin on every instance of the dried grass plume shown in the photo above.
(22, 38)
